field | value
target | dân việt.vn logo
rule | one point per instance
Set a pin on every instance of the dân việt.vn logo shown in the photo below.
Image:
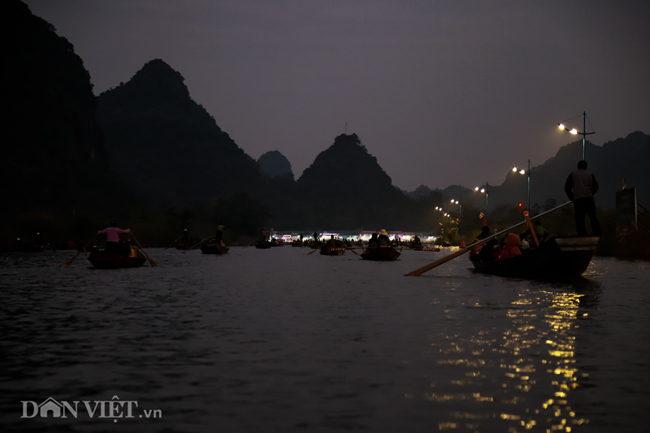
(114, 408)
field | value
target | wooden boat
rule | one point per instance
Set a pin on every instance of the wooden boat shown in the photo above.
(381, 253)
(213, 248)
(332, 251)
(557, 257)
(114, 260)
(183, 245)
(263, 244)
(424, 249)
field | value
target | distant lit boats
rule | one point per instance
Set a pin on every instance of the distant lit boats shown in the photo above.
(557, 257)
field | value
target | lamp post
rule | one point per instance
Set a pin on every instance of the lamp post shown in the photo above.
(439, 209)
(460, 213)
(576, 132)
(485, 191)
(528, 173)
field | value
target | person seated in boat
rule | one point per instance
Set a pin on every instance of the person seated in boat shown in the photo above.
(523, 243)
(374, 241)
(383, 240)
(511, 247)
(332, 243)
(218, 238)
(485, 252)
(134, 251)
(185, 238)
(112, 233)
(417, 243)
(540, 232)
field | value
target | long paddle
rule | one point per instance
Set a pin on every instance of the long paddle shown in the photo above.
(173, 242)
(191, 248)
(151, 262)
(69, 262)
(462, 251)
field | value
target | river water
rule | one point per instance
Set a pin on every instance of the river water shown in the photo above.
(280, 341)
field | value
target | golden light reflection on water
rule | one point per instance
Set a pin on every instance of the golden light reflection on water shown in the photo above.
(537, 356)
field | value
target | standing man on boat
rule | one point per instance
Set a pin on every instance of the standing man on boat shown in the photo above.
(580, 187)
(112, 233)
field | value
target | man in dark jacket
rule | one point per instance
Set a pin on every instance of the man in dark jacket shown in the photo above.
(580, 187)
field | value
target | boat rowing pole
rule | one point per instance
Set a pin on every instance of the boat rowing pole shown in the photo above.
(462, 251)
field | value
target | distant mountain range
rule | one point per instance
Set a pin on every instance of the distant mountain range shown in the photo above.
(149, 144)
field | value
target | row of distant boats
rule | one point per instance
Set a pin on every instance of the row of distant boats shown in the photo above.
(555, 257)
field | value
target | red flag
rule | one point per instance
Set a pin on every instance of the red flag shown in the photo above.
(480, 215)
(520, 205)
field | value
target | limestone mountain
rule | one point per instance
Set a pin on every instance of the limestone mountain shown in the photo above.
(166, 147)
(52, 155)
(345, 185)
(275, 164)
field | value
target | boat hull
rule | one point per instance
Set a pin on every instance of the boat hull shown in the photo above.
(558, 257)
(325, 251)
(213, 248)
(112, 260)
(381, 254)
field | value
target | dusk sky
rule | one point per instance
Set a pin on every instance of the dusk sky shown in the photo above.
(441, 92)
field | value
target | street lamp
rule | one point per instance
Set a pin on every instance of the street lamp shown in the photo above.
(460, 212)
(485, 191)
(576, 132)
(528, 173)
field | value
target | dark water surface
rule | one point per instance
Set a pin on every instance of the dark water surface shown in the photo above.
(278, 341)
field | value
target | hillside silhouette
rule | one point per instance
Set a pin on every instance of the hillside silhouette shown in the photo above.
(275, 164)
(165, 147)
(53, 158)
(622, 158)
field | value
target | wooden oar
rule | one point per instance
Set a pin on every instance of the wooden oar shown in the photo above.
(462, 251)
(531, 228)
(151, 262)
(173, 243)
(69, 262)
(191, 248)
(312, 252)
(352, 249)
